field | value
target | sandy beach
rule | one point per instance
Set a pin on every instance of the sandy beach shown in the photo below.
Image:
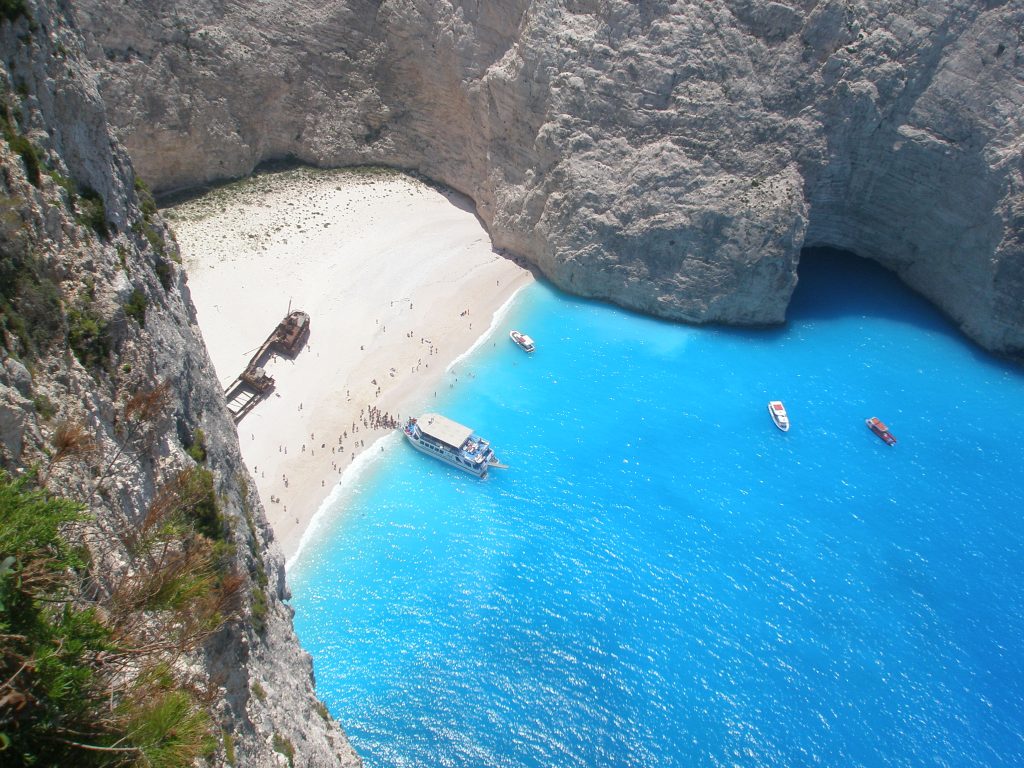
(399, 279)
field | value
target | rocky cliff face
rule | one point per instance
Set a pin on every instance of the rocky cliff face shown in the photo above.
(105, 380)
(674, 157)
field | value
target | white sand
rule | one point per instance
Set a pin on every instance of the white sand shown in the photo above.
(372, 257)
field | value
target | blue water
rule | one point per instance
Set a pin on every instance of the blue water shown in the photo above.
(662, 578)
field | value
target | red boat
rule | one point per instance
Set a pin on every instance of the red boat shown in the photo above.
(879, 428)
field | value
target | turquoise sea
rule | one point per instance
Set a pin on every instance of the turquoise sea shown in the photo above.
(662, 578)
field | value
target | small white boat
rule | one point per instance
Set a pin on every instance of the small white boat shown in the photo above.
(779, 415)
(522, 341)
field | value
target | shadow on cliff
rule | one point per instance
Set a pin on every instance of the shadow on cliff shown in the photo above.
(171, 197)
(838, 284)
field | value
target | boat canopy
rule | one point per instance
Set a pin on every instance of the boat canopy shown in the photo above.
(444, 429)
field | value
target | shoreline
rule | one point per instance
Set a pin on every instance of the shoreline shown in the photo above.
(393, 274)
(365, 459)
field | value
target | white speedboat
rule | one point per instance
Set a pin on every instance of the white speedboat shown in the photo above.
(523, 341)
(452, 443)
(779, 415)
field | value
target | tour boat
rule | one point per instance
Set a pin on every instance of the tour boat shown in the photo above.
(778, 412)
(876, 426)
(452, 443)
(523, 341)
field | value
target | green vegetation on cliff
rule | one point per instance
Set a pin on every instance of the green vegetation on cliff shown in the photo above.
(13, 9)
(92, 211)
(18, 141)
(50, 693)
(30, 309)
(91, 680)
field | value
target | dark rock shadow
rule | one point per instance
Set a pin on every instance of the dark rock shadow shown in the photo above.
(839, 284)
(834, 283)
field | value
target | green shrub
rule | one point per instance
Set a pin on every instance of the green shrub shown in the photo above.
(67, 185)
(155, 239)
(92, 212)
(259, 611)
(201, 506)
(321, 709)
(259, 573)
(31, 524)
(17, 141)
(284, 747)
(30, 306)
(169, 730)
(88, 206)
(29, 156)
(44, 406)
(136, 307)
(197, 450)
(229, 747)
(88, 336)
(65, 698)
(13, 9)
(146, 201)
(181, 580)
(39, 304)
(50, 686)
(164, 272)
(159, 245)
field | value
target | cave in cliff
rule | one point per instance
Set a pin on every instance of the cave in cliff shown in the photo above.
(835, 283)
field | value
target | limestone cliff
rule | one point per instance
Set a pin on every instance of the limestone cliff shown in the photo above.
(671, 156)
(104, 383)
